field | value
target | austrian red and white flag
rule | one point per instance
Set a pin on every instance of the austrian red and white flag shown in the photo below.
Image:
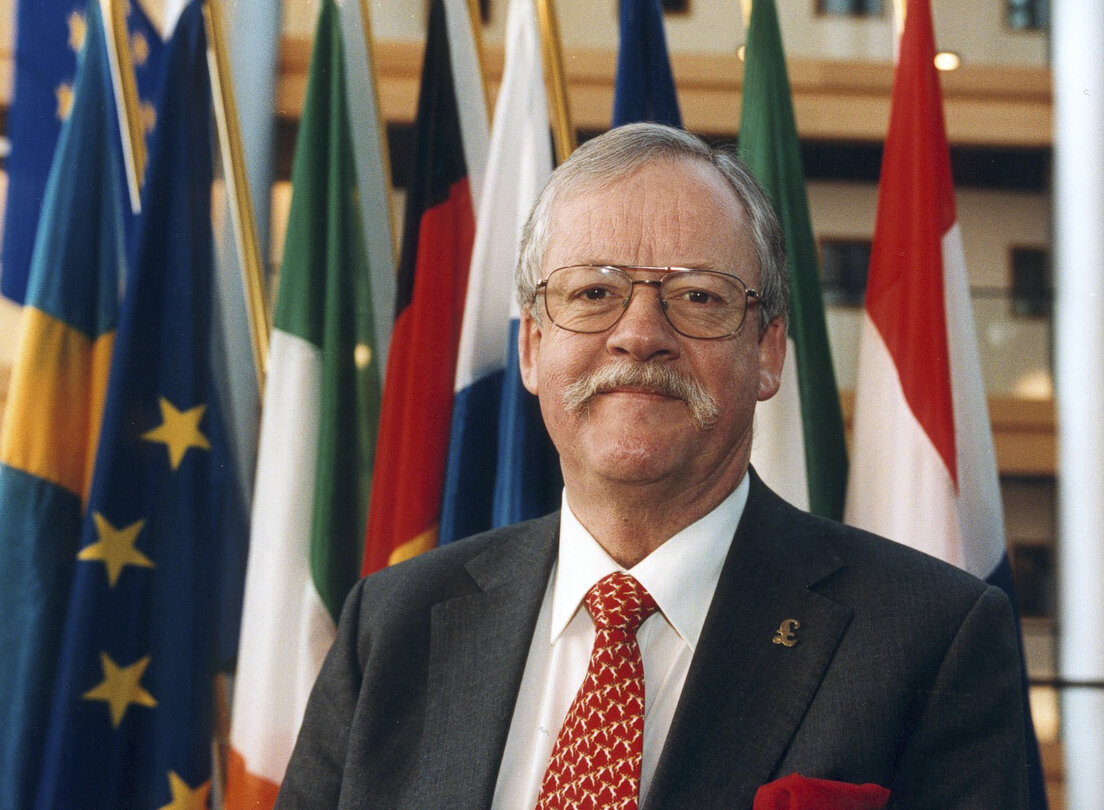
(923, 469)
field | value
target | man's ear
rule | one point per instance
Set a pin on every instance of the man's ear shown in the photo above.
(772, 355)
(529, 339)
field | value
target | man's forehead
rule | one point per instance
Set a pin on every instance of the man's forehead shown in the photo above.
(660, 206)
(678, 169)
(661, 181)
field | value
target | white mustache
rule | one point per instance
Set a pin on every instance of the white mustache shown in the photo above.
(653, 377)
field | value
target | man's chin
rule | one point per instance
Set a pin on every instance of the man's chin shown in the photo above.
(630, 432)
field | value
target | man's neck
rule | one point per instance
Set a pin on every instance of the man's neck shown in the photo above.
(630, 522)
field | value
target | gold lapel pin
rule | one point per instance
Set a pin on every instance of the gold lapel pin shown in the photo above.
(786, 634)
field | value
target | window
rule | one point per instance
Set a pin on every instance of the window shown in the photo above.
(1032, 290)
(843, 267)
(853, 8)
(1033, 578)
(1028, 15)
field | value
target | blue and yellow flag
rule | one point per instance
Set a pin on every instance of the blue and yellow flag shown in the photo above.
(49, 35)
(131, 720)
(48, 441)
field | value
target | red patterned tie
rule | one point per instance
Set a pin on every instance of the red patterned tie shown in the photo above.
(596, 760)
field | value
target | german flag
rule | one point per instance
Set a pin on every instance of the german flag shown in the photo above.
(450, 136)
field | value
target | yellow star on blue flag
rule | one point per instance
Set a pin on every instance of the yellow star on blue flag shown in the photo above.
(78, 27)
(120, 687)
(178, 431)
(184, 796)
(115, 547)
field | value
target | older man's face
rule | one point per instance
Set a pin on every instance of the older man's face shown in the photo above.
(672, 213)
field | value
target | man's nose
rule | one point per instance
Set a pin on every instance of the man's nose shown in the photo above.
(643, 332)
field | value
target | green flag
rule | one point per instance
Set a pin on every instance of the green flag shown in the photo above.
(317, 441)
(799, 443)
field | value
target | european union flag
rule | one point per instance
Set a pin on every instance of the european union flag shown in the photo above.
(131, 721)
(49, 35)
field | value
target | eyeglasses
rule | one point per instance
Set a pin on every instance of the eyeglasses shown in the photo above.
(702, 304)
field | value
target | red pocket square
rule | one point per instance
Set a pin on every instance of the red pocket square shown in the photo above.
(796, 792)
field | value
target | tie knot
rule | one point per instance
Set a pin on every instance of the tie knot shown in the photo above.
(619, 602)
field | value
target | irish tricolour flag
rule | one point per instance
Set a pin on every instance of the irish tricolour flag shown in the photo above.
(798, 448)
(321, 409)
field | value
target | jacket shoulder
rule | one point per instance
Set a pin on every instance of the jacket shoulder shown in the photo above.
(881, 564)
(454, 569)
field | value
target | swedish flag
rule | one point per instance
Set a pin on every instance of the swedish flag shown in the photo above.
(52, 419)
(132, 714)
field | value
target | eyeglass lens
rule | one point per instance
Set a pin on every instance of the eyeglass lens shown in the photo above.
(698, 303)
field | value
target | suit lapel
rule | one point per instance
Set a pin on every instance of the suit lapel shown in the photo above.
(478, 647)
(745, 695)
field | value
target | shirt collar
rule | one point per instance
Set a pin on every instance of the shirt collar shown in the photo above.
(681, 575)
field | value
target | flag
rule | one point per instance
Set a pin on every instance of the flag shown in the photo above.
(49, 33)
(317, 437)
(51, 423)
(131, 721)
(923, 468)
(502, 467)
(450, 136)
(799, 444)
(644, 89)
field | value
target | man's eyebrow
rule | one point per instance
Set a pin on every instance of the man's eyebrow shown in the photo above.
(680, 265)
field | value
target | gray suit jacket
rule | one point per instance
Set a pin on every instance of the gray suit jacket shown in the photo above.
(905, 673)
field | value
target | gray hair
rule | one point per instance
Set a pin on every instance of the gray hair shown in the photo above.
(618, 154)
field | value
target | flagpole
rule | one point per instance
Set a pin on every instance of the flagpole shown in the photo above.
(562, 130)
(385, 150)
(477, 40)
(1078, 194)
(241, 205)
(900, 9)
(126, 97)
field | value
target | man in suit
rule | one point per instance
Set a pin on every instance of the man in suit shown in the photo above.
(653, 287)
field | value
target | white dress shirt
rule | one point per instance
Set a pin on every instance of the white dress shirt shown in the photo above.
(681, 575)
